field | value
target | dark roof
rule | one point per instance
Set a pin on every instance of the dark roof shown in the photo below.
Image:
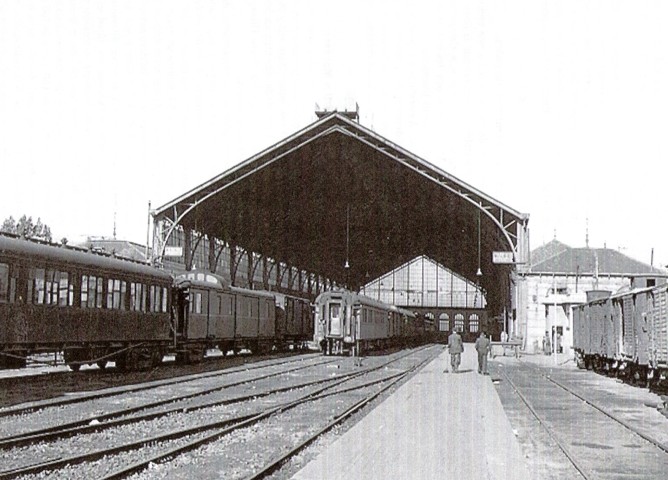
(556, 257)
(120, 248)
(548, 250)
(294, 201)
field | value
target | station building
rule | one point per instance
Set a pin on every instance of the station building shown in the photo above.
(558, 279)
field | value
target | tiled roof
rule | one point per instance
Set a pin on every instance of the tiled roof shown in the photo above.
(587, 261)
(121, 248)
(548, 250)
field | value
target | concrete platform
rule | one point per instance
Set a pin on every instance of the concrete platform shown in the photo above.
(436, 426)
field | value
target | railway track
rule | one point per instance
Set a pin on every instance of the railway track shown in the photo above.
(186, 427)
(21, 387)
(595, 439)
(95, 421)
(85, 396)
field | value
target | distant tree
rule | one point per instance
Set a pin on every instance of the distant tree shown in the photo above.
(25, 227)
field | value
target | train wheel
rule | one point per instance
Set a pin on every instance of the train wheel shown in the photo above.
(158, 354)
(75, 367)
(102, 364)
(196, 355)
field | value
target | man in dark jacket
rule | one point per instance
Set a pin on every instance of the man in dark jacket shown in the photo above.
(482, 346)
(456, 348)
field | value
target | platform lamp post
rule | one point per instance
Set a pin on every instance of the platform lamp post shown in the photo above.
(479, 272)
(347, 264)
(553, 332)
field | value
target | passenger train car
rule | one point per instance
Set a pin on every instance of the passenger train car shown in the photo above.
(352, 323)
(625, 333)
(97, 308)
(212, 313)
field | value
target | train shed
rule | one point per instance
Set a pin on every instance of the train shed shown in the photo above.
(335, 204)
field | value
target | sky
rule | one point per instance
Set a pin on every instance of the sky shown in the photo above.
(554, 108)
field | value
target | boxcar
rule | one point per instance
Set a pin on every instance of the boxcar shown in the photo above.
(625, 334)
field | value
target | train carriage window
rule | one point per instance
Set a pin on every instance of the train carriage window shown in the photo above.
(135, 296)
(144, 298)
(65, 289)
(38, 286)
(114, 297)
(123, 305)
(87, 291)
(94, 291)
(54, 287)
(151, 298)
(164, 299)
(138, 296)
(99, 291)
(110, 293)
(119, 294)
(4, 283)
(49, 277)
(84, 291)
(198, 303)
(157, 306)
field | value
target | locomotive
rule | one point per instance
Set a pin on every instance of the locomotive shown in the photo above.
(625, 333)
(352, 323)
(97, 308)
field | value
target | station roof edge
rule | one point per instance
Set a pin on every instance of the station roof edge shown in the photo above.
(337, 116)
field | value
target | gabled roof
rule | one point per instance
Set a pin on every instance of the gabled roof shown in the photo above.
(549, 250)
(586, 261)
(120, 248)
(336, 192)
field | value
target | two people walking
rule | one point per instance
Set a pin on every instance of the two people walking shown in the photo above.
(456, 347)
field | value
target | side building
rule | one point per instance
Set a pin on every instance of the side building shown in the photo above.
(559, 278)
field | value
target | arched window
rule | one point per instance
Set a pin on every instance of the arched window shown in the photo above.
(443, 322)
(474, 323)
(459, 322)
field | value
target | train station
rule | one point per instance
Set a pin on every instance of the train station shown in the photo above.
(336, 205)
(347, 286)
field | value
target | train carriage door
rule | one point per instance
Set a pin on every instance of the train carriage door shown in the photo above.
(354, 329)
(333, 314)
(180, 308)
(214, 311)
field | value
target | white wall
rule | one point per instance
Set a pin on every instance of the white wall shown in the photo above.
(536, 310)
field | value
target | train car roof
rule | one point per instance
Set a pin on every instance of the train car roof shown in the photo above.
(362, 298)
(624, 291)
(42, 251)
(257, 293)
(203, 279)
(404, 311)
